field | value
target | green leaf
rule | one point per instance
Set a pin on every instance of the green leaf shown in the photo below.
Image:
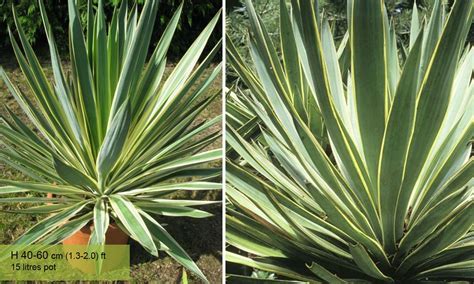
(460, 270)
(61, 88)
(47, 225)
(84, 80)
(341, 143)
(101, 223)
(251, 239)
(268, 266)
(174, 202)
(42, 209)
(443, 238)
(415, 25)
(430, 221)
(133, 222)
(366, 264)
(369, 78)
(172, 247)
(431, 37)
(184, 277)
(114, 141)
(150, 82)
(324, 274)
(67, 229)
(41, 187)
(174, 211)
(72, 175)
(183, 69)
(396, 143)
(433, 101)
(101, 70)
(134, 56)
(165, 188)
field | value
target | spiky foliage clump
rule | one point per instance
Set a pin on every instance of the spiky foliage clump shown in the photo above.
(390, 199)
(112, 139)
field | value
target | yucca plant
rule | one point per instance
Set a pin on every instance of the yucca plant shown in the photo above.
(111, 139)
(391, 198)
(240, 114)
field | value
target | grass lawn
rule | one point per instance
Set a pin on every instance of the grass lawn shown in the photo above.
(201, 238)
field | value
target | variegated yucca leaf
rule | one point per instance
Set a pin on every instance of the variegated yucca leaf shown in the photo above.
(391, 197)
(112, 138)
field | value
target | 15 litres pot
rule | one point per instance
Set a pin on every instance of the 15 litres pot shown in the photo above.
(113, 236)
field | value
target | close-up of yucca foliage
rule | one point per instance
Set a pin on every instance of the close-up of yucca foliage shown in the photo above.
(351, 161)
(112, 138)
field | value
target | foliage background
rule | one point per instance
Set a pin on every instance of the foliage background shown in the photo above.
(196, 14)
